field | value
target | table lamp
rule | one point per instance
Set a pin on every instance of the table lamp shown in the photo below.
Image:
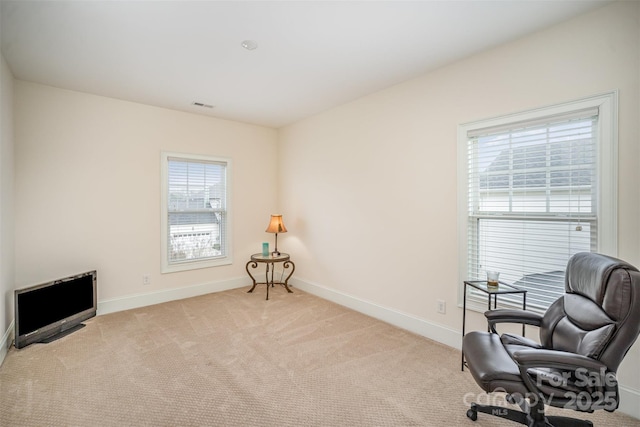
(276, 226)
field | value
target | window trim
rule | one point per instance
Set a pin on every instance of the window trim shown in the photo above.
(165, 265)
(607, 171)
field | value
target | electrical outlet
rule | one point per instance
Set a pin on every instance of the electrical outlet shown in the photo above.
(146, 279)
(442, 306)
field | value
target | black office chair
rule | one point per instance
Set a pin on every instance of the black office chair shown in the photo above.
(584, 336)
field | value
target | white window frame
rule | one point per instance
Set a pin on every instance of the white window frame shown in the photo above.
(607, 172)
(226, 258)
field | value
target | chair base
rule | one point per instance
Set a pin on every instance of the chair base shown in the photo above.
(529, 416)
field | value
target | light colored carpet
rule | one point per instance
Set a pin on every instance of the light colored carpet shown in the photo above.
(234, 359)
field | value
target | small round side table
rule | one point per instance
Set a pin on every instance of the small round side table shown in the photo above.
(270, 261)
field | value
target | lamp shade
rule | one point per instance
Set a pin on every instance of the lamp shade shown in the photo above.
(276, 225)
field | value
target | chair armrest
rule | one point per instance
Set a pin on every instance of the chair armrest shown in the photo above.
(512, 316)
(538, 358)
(593, 376)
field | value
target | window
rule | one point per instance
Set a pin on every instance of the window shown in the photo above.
(195, 212)
(536, 188)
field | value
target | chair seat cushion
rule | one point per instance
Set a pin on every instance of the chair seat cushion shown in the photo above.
(510, 339)
(490, 364)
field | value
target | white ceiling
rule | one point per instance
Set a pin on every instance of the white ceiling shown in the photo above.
(311, 55)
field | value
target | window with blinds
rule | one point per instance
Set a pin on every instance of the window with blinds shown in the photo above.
(532, 202)
(195, 217)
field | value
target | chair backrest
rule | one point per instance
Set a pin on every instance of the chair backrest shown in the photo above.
(599, 315)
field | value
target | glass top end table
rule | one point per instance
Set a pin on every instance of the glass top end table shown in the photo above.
(269, 261)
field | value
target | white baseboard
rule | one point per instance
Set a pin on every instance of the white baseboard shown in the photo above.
(629, 401)
(440, 333)
(7, 341)
(158, 297)
(629, 398)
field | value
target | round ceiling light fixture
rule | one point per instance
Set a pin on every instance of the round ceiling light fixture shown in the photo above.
(249, 44)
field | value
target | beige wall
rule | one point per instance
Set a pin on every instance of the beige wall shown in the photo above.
(6, 200)
(369, 188)
(88, 188)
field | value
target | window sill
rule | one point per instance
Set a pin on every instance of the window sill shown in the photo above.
(195, 265)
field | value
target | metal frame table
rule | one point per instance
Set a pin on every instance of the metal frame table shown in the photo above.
(501, 289)
(270, 261)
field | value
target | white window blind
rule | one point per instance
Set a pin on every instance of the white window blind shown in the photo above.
(532, 200)
(195, 219)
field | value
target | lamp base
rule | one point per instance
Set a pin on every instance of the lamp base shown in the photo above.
(275, 253)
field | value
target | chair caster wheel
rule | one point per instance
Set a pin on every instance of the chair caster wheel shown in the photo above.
(472, 414)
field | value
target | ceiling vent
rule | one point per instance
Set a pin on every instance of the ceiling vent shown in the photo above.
(201, 104)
